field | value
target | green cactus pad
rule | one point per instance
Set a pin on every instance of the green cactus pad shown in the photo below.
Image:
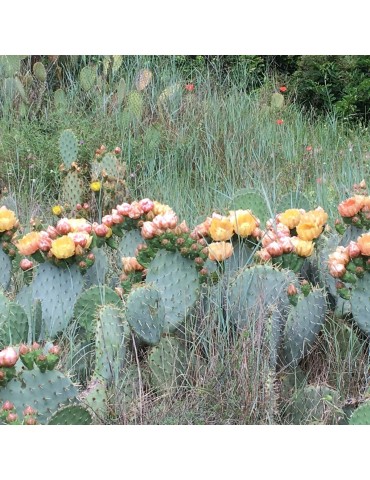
(145, 313)
(13, 325)
(95, 397)
(9, 89)
(88, 78)
(58, 289)
(33, 310)
(277, 101)
(121, 91)
(88, 303)
(72, 189)
(68, 148)
(135, 105)
(21, 90)
(360, 303)
(5, 269)
(109, 165)
(128, 245)
(45, 392)
(293, 200)
(168, 364)
(246, 199)
(169, 101)
(10, 65)
(39, 71)
(95, 275)
(112, 335)
(71, 415)
(304, 322)
(60, 99)
(177, 280)
(361, 416)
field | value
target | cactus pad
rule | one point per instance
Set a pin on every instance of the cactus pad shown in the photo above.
(88, 78)
(39, 71)
(72, 189)
(5, 269)
(71, 415)
(277, 101)
(246, 199)
(361, 416)
(143, 79)
(360, 303)
(68, 148)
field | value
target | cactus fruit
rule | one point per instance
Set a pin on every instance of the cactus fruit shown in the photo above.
(168, 365)
(304, 322)
(88, 78)
(39, 71)
(277, 101)
(5, 269)
(177, 280)
(68, 148)
(145, 313)
(71, 415)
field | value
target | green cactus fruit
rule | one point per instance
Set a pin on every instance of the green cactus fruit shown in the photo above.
(112, 335)
(39, 71)
(314, 405)
(277, 101)
(246, 199)
(143, 79)
(58, 289)
(45, 392)
(121, 91)
(135, 105)
(88, 303)
(97, 272)
(177, 280)
(60, 100)
(360, 303)
(13, 325)
(304, 322)
(72, 189)
(168, 364)
(361, 416)
(293, 200)
(145, 314)
(71, 415)
(68, 148)
(5, 269)
(127, 245)
(88, 78)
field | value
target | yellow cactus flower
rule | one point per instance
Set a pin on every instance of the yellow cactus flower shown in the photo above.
(290, 217)
(8, 219)
(320, 215)
(219, 251)
(63, 247)
(29, 244)
(160, 208)
(243, 222)
(221, 229)
(303, 248)
(77, 224)
(57, 210)
(95, 186)
(308, 230)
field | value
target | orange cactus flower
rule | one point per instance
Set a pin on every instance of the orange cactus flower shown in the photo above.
(8, 219)
(243, 222)
(363, 243)
(351, 206)
(29, 244)
(221, 229)
(220, 251)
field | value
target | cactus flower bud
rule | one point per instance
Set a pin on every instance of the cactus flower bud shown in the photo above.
(25, 264)
(8, 406)
(30, 421)
(292, 289)
(23, 349)
(146, 204)
(8, 357)
(29, 411)
(11, 417)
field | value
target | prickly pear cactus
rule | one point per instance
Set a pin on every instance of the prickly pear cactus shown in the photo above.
(145, 313)
(128, 244)
(72, 189)
(135, 105)
(68, 148)
(112, 335)
(361, 416)
(277, 101)
(57, 289)
(293, 200)
(5, 269)
(88, 78)
(143, 79)
(169, 102)
(97, 272)
(71, 415)
(33, 310)
(360, 303)
(168, 364)
(39, 71)
(60, 100)
(177, 280)
(45, 392)
(14, 324)
(304, 322)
